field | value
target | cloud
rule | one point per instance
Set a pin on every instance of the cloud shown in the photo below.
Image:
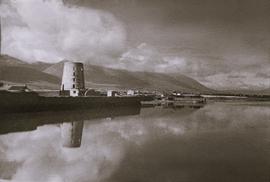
(49, 31)
(182, 60)
(216, 53)
(237, 80)
(146, 57)
(211, 70)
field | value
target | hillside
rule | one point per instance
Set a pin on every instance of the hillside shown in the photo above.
(6, 60)
(98, 76)
(23, 74)
(48, 76)
(13, 70)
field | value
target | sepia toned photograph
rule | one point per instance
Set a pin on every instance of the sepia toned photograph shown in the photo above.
(134, 91)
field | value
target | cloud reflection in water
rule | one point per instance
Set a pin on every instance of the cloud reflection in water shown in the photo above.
(157, 145)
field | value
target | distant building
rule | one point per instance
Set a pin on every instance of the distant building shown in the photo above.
(177, 93)
(111, 93)
(73, 79)
(130, 92)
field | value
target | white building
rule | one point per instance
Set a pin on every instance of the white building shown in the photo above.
(73, 79)
(130, 92)
(111, 93)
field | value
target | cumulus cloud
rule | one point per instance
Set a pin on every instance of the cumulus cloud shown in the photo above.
(49, 31)
(143, 57)
(146, 57)
(238, 80)
(212, 70)
(187, 61)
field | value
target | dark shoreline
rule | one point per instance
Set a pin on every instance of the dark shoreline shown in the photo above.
(32, 102)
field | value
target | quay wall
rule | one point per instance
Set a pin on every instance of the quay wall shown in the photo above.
(32, 102)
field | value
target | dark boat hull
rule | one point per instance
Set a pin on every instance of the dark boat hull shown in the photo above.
(32, 102)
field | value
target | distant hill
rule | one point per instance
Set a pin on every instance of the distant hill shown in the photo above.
(13, 70)
(246, 92)
(98, 76)
(6, 60)
(25, 75)
(48, 76)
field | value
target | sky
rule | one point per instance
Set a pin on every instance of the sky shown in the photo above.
(224, 44)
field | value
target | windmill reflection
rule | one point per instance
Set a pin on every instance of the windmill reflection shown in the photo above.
(71, 122)
(71, 134)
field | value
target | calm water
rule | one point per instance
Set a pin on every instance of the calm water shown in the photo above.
(219, 142)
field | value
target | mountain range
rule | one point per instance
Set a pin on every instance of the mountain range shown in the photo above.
(48, 76)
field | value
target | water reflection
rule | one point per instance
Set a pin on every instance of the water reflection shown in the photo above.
(219, 142)
(71, 134)
(71, 122)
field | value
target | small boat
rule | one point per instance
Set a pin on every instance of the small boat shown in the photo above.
(186, 100)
